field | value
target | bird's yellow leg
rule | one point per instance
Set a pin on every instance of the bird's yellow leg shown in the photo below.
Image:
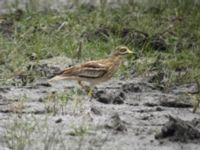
(87, 89)
(90, 91)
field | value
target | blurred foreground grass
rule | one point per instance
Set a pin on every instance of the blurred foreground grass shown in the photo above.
(164, 34)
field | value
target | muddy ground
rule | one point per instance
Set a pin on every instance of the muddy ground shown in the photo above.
(122, 114)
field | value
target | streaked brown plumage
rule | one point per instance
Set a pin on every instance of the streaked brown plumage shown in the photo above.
(96, 71)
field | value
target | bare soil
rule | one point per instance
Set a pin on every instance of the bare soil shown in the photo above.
(121, 114)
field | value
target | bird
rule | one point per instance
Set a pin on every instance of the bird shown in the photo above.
(94, 71)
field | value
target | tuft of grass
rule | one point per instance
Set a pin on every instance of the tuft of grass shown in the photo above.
(18, 135)
(81, 132)
(55, 102)
(17, 107)
(30, 132)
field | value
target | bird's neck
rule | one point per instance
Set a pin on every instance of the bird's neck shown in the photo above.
(117, 58)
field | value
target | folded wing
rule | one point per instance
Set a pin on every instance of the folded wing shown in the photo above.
(91, 69)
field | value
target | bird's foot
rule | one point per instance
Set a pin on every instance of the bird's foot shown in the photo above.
(90, 92)
(88, 89)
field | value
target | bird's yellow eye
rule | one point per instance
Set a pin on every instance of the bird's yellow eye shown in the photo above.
(123, 50)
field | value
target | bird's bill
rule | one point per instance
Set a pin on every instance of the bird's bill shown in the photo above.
(129, 51)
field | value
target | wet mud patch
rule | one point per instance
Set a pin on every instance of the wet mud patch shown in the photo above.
(178, 130)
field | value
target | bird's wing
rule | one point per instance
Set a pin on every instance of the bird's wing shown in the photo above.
(91, 69)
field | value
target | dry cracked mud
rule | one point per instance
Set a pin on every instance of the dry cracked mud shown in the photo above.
(121, 114)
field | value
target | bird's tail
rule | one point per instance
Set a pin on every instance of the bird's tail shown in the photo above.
(58, 77)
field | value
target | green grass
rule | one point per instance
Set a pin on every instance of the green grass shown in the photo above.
(58, 101)
(49, 34)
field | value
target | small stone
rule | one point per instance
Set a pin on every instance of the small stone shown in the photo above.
(59, 120)
(159, 109)
(96, 111)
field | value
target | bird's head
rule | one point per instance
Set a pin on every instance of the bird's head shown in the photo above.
(122, 51)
